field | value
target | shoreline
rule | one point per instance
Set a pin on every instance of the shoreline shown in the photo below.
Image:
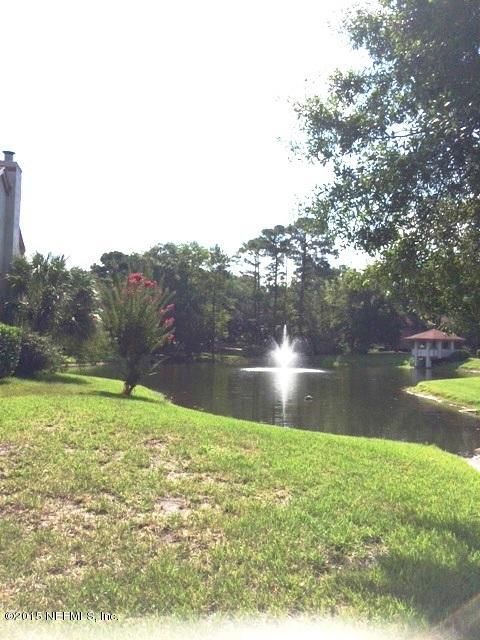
(474, 460)
(461, 408)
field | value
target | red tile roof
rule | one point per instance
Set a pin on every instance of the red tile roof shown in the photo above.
(435, 334)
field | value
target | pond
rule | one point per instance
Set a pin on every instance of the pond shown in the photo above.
(353, 400)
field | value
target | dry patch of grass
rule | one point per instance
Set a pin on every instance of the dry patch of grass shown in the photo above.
(183, 539)
(7, 449)
(280, 497)
(156, 443)
(365, 558)
(107, 457)
(159, 451)
(9, 456)
(169, 504)
(61, 514)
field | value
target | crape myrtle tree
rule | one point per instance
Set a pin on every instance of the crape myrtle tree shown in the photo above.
(402, 137)
(137, 315)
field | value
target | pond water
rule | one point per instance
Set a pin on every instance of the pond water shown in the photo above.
(358, 401)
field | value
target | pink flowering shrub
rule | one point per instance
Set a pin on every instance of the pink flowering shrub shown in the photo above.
(139, 322)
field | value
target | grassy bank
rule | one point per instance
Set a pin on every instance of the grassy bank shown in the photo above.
(140, 506)
(472, 364)
(464, 392)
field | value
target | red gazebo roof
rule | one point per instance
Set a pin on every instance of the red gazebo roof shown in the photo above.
(435, 334)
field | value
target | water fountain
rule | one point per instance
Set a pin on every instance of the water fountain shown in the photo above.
(284, 373)
(284, 357)
(283, 354)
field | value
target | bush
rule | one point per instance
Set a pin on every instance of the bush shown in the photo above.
(97, 348)
(10, 338)
(459, 355)
(37, 353)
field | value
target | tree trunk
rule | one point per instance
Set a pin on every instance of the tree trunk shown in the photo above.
(256, 291)
(301, 303)
(275, 295)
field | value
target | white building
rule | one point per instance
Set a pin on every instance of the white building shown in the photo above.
(432, 345)
(11, 242)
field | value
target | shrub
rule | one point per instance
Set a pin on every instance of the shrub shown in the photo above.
(135, 315)
(37, 353)
(459, 355)
(97, 348)
(10, 338)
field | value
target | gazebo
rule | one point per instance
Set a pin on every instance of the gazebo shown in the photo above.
(432, 345)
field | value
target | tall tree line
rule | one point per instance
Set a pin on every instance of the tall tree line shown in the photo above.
(283, 276)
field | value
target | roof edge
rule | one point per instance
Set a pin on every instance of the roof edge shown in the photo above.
(429, 335)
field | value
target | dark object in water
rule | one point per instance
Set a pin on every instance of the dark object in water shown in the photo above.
(308, 398)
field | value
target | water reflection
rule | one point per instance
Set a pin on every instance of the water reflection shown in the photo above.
(285, 382)
(420, 374)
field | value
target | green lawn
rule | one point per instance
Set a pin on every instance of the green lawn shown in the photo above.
(461, 391)
(139, 506)
(472, 364)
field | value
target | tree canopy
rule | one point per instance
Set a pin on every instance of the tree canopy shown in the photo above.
(402, 135)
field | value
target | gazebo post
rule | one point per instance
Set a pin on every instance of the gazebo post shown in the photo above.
(415, 354)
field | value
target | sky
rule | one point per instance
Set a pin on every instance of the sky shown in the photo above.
(137, 123)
